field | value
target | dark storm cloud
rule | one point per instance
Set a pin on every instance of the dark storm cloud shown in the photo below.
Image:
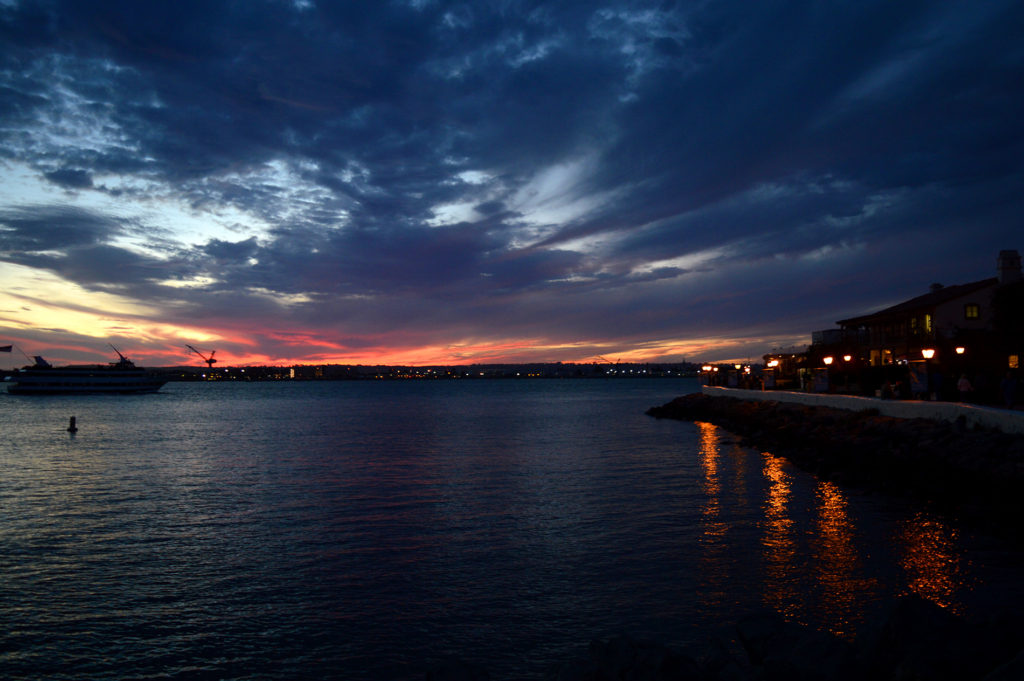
(599, 163)
(101, 267)
(73, 244)
(808, 90)
(73, 178)
(231, 251)
(27, 229)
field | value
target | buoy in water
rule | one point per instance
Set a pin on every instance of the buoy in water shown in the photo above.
(72, 428)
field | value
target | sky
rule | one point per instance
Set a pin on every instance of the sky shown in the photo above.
(427, 182)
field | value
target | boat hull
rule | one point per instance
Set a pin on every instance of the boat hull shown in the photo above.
(63, 382)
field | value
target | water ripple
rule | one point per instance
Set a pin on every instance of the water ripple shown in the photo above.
(350, 530)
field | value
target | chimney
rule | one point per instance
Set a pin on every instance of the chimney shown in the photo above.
(1009, 267)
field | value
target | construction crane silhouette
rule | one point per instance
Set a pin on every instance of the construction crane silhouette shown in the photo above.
(210, 361)
(614, 365)
(122, 360)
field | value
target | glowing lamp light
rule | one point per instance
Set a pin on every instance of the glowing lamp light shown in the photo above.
(960, 349)
(737, 366)
(928, 353)
(706, 367)
(847, 358)
(827, 360)
(773, 363)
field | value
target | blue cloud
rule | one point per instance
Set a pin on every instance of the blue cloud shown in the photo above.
(777, 137)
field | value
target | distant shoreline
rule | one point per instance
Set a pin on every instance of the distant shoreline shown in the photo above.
(364, 372)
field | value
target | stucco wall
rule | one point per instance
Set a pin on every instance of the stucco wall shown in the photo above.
(949, 316)
(1002, 419)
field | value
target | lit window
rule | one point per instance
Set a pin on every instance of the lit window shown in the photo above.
(927, 323)
(972, 311)
(1015, 361)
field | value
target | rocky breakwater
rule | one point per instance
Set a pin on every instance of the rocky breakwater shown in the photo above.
(975, 473)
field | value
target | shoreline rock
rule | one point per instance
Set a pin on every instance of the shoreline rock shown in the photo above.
(975, 474)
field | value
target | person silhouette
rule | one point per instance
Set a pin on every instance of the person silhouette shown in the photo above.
(964, 387)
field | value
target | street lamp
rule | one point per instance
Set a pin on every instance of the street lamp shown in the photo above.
(847, 358)
(928, 353)
(960, 349)
(827, 360)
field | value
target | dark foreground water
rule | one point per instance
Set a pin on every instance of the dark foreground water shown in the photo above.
(360, 530)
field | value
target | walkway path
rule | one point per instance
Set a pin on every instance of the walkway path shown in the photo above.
(1006, 420)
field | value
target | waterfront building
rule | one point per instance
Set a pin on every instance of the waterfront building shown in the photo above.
(942, 320)
(920, 347)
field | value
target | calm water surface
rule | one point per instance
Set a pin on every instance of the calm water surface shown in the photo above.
(359, 530)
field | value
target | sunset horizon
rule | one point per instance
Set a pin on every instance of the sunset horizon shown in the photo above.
(427, 183)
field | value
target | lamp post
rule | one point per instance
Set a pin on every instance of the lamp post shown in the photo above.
(921, 379)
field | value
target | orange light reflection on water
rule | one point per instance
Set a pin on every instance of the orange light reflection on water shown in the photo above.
(781, 590)
(815, 564)
(934, 566)
(709, 466)
(841, 579)
(713, 563)
(835, 592)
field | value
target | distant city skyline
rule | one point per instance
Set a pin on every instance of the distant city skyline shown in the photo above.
(421, 182)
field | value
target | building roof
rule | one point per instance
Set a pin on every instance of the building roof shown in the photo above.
(927, 301)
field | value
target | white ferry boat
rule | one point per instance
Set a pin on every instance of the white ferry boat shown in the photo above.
(121, 376)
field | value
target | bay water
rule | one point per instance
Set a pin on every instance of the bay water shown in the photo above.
(362, 530)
